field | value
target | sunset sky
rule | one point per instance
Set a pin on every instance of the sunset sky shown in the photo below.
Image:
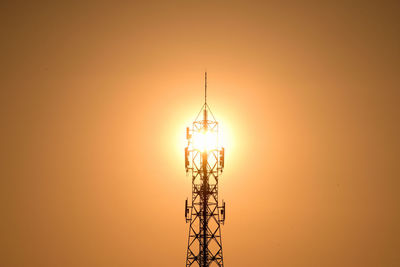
(95, 97)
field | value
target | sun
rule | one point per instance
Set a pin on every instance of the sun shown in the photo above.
(205, 141)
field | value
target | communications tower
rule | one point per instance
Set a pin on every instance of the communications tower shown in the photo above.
(204, 160)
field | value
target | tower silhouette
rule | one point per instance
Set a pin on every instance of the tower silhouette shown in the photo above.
(204, 160)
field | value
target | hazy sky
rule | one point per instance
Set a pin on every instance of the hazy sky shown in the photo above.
(95, 98)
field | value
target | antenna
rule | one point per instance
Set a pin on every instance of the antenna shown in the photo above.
(205, 88)
(205, 99)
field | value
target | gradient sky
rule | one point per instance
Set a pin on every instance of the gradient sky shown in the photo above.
(95, 98)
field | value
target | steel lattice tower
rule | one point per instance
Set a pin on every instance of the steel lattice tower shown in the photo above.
(204, 160)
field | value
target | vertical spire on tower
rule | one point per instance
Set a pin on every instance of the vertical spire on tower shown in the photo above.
(205, 89)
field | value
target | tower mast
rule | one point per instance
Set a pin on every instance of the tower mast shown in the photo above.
(204, 215)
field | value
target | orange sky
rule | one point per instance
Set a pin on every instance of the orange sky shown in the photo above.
(94, 102)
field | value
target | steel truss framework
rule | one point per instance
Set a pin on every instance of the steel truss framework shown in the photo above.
(204, 215)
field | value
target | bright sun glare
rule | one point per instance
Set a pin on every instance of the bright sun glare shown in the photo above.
(205, 140)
